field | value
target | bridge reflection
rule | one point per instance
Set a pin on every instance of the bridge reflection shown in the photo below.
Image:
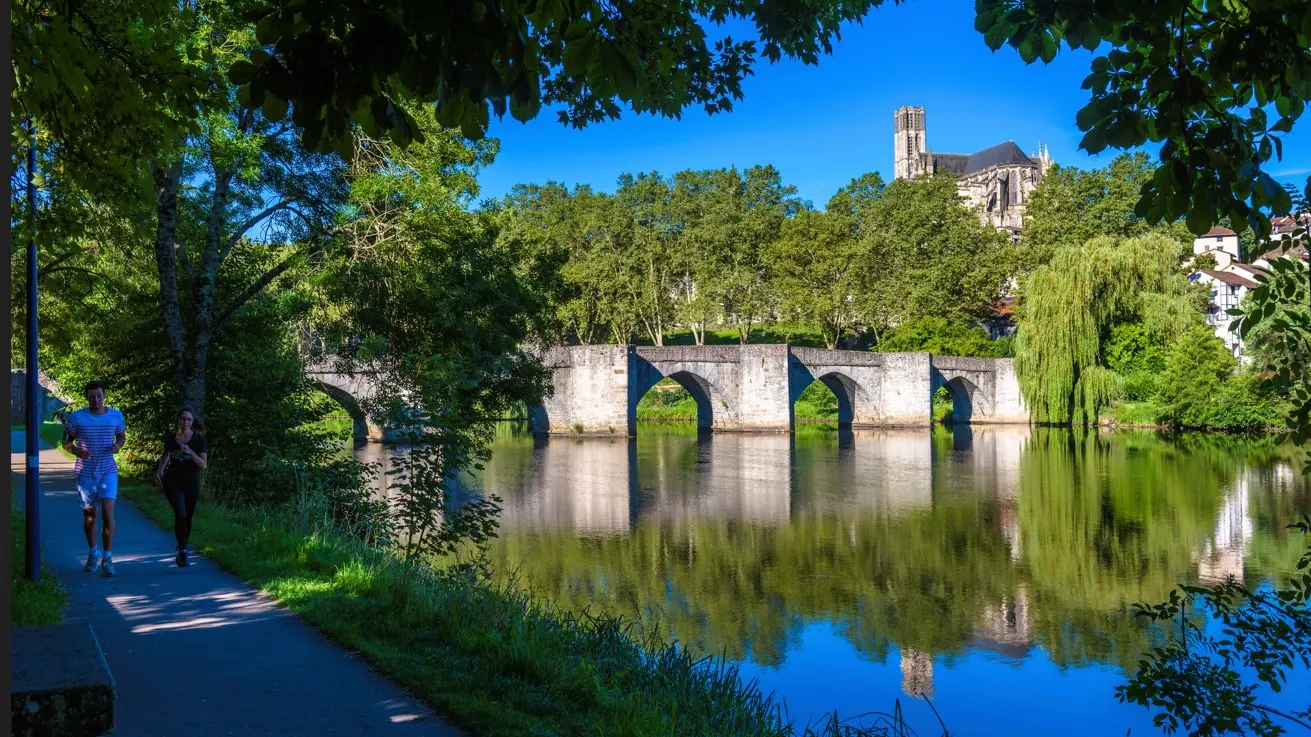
(606, 486)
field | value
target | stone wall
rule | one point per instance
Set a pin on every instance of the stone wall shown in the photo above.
(50, 403)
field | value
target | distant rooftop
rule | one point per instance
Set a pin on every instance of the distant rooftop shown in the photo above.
(1228, 277)
(1003, 154)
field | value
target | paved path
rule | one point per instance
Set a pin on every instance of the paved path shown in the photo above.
(195, 651)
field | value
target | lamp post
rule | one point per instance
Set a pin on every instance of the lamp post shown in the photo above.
(33, 474)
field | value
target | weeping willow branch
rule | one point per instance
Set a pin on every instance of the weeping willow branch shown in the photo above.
(1071, 303)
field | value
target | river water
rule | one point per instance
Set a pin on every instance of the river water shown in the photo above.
(991, 569)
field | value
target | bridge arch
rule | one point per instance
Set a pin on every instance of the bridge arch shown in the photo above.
(972, 388)
(363, 429)
(348, 390)
(852, 396)
(716, 407)
(962, 392)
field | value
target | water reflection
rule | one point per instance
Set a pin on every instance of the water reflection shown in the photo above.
(983, 567)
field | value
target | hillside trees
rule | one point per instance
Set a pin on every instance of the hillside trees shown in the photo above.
(930, 255)
(818, 267)
(1071, 206)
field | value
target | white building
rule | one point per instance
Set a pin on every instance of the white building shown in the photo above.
(1227, 290)
(1231, 279)
(1222, 243)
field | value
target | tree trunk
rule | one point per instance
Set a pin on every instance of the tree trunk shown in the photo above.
(831, 333)
(167, 182)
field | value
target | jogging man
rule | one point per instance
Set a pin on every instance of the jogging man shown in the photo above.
(94, 434)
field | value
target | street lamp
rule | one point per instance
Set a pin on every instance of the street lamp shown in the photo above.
(33, 474)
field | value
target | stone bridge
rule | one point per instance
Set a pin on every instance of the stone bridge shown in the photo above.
(348, 390)
(754, 387)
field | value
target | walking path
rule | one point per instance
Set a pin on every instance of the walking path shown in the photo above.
(195, 651)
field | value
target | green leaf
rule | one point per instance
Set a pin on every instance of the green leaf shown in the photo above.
(268, 30)
(241, 72)
(1200, 219)
(274, 108)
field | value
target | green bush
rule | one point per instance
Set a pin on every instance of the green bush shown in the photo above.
(1199, 388)
(939, 336)
(817, 402)
(1133, 354)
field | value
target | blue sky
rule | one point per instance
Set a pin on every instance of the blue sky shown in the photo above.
(823, 125)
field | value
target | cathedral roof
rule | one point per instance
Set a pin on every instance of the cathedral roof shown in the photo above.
(1003, 154)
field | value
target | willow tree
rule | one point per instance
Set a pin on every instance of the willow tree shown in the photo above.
(1070, 305)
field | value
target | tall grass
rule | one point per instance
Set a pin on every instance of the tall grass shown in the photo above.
(489, 658)
(34, 603)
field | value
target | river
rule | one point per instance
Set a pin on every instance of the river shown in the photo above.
(990, 569)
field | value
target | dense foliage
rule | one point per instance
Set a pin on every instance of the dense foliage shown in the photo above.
(419, 293)
(1198, 388)
(939, 336)
(1071, 206)
(1071, 303)
(722, 248)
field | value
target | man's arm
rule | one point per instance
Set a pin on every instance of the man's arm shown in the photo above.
(120, 438)
(70, 441)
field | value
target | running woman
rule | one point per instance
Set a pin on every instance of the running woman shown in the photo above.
(185, 456)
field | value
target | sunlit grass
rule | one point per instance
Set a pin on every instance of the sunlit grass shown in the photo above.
(488, 658)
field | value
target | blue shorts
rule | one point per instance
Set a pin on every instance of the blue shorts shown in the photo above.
(93, 489)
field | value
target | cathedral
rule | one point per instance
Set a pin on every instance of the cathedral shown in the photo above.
(997, 180)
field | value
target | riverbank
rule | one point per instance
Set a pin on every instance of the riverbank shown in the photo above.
(489, 659)
(1146, 415)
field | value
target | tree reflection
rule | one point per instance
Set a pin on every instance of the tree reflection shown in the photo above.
(908, 544)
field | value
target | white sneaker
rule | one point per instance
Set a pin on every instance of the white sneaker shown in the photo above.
(107, 566)
(92, 561)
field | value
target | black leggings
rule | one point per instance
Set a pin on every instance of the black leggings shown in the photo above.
(183, 501)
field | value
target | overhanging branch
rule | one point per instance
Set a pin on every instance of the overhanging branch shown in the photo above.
(255, 288)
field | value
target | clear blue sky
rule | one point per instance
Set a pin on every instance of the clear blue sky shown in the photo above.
(823, 125)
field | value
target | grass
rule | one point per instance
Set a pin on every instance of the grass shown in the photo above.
(491, 660)
(1131, 414)
(50, 432)
(33, 602)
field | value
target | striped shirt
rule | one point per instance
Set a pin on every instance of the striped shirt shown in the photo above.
(95, 433)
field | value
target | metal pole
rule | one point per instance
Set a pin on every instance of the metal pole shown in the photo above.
(33, 475)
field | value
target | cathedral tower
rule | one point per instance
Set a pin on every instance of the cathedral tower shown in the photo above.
(908, 143)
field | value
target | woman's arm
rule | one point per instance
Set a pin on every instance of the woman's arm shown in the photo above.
(200, 459)
(159, 469)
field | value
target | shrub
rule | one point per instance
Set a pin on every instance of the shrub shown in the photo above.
(939, 336)
(1199, 388)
